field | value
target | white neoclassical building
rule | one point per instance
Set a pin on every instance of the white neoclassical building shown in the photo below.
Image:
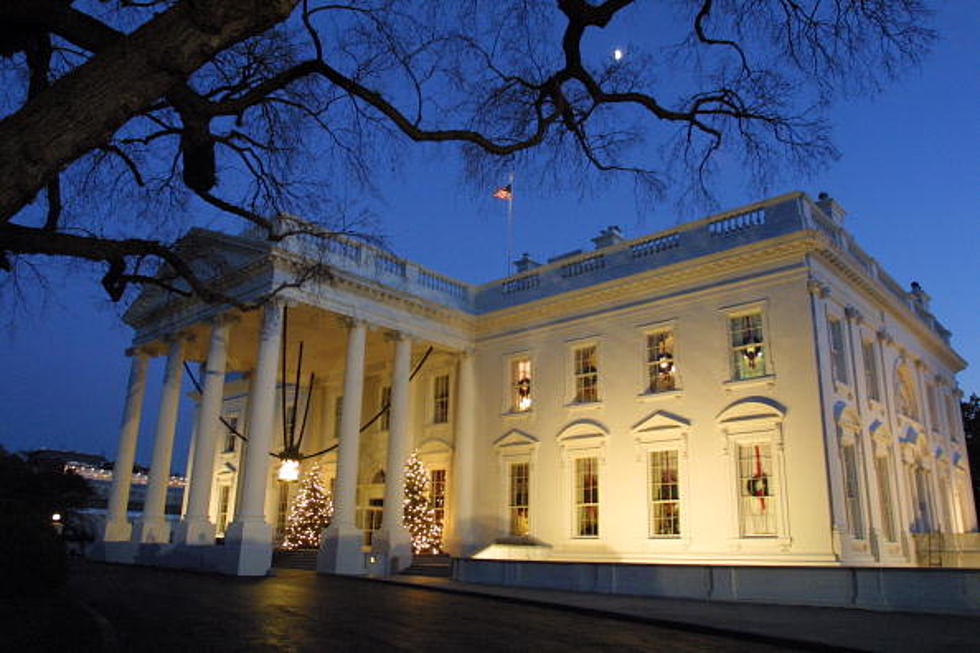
(750, 388)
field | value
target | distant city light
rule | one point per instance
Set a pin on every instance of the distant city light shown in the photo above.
(56, 516)
(618, 54)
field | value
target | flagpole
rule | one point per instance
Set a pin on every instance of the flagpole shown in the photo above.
(510, 230)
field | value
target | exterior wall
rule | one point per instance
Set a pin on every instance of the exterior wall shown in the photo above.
(621, 419)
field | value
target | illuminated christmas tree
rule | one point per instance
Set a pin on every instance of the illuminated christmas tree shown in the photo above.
(420, 518)
(310, 513)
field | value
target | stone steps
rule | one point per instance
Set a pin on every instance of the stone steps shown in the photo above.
(299, 559)
(430, 565)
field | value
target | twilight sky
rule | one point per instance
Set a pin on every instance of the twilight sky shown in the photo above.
(908, 177)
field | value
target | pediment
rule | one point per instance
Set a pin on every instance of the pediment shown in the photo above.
(433, 446)
(752, 409)
(661, 421)
(514, 438)
(582, 429)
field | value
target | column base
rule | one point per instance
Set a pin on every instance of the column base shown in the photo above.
(195, 531)
(115, 551)
(390, 553)
(117, 531)
(340, 551)
(248, 549)
(151, 531)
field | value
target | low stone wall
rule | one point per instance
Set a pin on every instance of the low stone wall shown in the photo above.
(905, 589)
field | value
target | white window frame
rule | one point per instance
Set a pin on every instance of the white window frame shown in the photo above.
(664, 431)
(728, 313)
(649, 332)
(837, 350)
(872, 373)
(512, 505)
(852, 484)
(581, 502)
(515, 447)
(583, 438)
(572, 373)
(437, 399)
(510, 406)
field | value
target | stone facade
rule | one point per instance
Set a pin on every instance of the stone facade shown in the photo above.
(750, 388)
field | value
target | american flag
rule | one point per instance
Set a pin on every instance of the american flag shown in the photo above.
(504, 193)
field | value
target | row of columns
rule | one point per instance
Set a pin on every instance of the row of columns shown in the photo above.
(248, 538)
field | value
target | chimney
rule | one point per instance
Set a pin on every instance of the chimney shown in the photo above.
(608, 236)
(525, 263)
(831, 208)
(919, 296)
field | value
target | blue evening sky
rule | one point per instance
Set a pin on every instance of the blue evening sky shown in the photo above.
(908, 177)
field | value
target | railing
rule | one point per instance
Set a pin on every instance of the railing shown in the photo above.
(441, 283)
(583, 266)
(737, 223)
(521, 283)
(654, 245)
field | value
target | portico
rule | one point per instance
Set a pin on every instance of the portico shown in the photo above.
(358, 344)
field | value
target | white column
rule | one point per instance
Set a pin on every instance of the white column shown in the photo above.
(392, 545)
(195, 528)
(464, 469)
(249, 537)
(340, 545)
(153, 527)
(117, 527)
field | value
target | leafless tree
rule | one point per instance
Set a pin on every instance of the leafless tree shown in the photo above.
(116, 111)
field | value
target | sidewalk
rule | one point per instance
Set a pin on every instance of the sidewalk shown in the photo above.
(812, 627)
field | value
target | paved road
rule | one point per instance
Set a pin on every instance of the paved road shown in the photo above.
(156, 609)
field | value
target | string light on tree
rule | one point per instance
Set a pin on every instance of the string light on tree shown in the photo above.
(618, 54)
(310, 513)
(420, 518)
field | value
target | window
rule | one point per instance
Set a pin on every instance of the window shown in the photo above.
(369, 518)
(586, 375)
(338, 409)
(385, 419)
(587, 497)
(923, 511)
(665, 512)
(852, 491)
(661, 370)
(230, 436)
(905, 395)
(933, 407)
(838, 354)
(953, 420)
(518, 498)
(282, 510)
(437, 495)
(756, 488)
(440, 399)
(520, 385)
(224, 493)
(871, 370)
(883, 475)
(748, 346)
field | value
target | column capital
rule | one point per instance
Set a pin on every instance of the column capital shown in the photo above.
(854, 314)
(183, 335)
(397, 336)
(818, 288)
(349, 321)
(138, 351)
(885, 336)
(222, 319)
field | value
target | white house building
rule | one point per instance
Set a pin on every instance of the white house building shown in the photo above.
(750, 388)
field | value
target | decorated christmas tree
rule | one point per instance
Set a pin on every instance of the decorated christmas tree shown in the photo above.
(310, 513)
(420, 518)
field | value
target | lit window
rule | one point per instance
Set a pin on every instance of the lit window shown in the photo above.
(338, 409)
(282, 510)
(852, 491)
(587, 497)
(437, 495)
(883, 474)
(665, 507)
(224, 492)
(838, 355)
(518, 501)
(520, 384)
(586, 375)
(871, 370)
(385, 419)
(440, 399)
(748, 346)
(661, 370)
(756, 489)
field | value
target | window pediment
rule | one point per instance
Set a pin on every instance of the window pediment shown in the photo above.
(846, 417)
(661, 426)
(751, 414)
(583, 436)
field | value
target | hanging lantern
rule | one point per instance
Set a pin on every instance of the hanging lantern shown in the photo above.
(289, 470)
